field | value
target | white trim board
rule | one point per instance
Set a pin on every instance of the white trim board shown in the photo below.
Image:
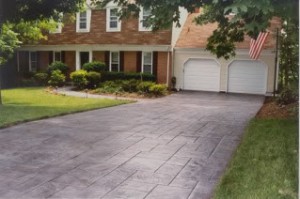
(97, 47)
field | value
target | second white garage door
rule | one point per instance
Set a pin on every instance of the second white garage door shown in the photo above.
(247, 77)
(201, 75)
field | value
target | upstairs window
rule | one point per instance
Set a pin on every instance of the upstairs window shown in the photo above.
(147, 62)
(143, 25)
(83, 20)
(114, 61)
(112, 20)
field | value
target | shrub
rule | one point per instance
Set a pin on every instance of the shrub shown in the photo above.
(144, 87)
(93, 79)
(287, 96)
(158, 89)
(109, 76)
(57, 78)
(94, 66)
(79, 78)
(111, 87)
(41, 78)
(57, 65)
(130, 85)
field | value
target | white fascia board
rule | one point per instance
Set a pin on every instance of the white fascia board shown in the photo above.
(176, 31)
(237, 51)
(96, 47)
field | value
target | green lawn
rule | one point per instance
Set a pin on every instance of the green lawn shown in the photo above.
(25, 104)
(265, 164)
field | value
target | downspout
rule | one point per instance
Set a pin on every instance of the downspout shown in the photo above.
(276, 64)
(168, 67)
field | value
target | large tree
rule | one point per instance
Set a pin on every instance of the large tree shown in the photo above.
(23, 21)
(250, 17)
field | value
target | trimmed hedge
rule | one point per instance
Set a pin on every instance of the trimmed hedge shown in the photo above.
(57, 65)
(110, 76)
(95, 66)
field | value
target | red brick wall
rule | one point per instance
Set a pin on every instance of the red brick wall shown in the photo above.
(162, 63)
(129, 33)
(130, 61)
(43, 62)
(99, 56)
(70, 60)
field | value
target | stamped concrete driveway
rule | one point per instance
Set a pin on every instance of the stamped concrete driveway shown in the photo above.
(173, 147)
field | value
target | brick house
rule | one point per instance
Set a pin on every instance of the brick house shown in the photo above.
(98, 35)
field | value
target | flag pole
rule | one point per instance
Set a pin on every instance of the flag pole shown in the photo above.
(276, 62)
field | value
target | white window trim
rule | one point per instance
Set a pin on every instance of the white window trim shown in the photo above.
(143, 61)
(141, 27)
(54, 55)
(108, 28)
(59, 25)
(110, 60)
(30, 61)
(88, 21)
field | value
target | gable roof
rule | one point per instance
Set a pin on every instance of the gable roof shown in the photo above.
(195, 36)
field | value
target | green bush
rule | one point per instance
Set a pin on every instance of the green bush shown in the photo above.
(110, 76)
(144, 87)
(287, 96)
(94, 66)
(111, 87)
(79, 78)
(93, 79)
(57, 65)
(41, 78)
(57, 78)
(158, 89)
(130, 85)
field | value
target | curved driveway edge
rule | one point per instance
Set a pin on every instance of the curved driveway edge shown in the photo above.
(172, 147)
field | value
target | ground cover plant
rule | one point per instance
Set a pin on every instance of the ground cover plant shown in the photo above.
(26, 104)
(265, 164)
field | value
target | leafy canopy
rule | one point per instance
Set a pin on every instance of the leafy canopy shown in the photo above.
(27, 21)
(248, 17)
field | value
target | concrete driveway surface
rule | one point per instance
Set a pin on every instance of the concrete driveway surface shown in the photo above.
(173, 147)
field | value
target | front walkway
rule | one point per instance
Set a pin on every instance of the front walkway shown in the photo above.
(172, 147)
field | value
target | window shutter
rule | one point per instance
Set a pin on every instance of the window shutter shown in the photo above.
(107, 54)
(155, 63)
(139, 62)
(50, 57)
(37, 61)
(63, 59)
(121, 61)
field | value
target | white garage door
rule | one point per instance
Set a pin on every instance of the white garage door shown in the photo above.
(201, 75)
(247, 77)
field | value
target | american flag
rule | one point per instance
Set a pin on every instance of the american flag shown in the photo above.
(257, 45)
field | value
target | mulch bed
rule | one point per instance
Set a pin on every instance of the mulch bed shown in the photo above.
(272, 110)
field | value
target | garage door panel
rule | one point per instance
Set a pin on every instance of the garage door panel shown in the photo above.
(202, 74)
(247, 77)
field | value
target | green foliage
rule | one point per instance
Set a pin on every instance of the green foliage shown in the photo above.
(158, 89)
(79, 79)
(57, 78)
(130, 85)
(94, 66)
(93, 79)
(287, 96)
(109, 76)
(8, 43)
(144, 87)
(57, 65)
(41, 78)
(250, 17)
(110, 87)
